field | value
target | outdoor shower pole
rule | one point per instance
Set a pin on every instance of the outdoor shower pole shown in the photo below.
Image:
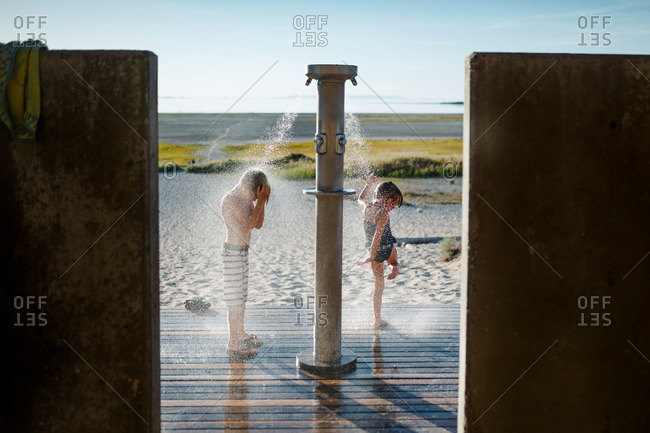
(327, 357)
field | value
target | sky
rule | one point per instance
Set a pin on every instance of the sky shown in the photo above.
(250, 56)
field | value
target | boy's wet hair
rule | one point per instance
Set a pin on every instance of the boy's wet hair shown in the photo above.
(253, 179)
(389, 190)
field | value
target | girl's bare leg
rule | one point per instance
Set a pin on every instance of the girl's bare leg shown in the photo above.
(378, 272)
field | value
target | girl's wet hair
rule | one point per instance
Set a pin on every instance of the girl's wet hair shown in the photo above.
(389, 190)
(253, 179)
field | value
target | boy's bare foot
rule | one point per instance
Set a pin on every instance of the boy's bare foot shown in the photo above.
(252, 341)
(394, 270)
(380, 324)
(240, 353)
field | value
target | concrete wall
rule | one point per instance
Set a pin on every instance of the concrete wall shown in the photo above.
(80, 233)
(556, 232)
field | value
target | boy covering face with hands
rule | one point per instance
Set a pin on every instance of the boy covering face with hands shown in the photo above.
(242, 210)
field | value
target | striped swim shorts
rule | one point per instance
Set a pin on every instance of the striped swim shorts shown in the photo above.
(235, 274)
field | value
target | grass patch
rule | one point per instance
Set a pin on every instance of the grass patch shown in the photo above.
(418, 167)
(449, 248)
(392, 158)
(383, 150)
(220, 166)
(291, 159)
(295, 166)
(298, 171)
(423, 199)
(377, 149)
(178, 154)
(292, 166)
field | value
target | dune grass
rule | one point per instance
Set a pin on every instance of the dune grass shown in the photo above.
(397, 160)
(423, 199)
(449, 248)
(418, 167)
(292, 166)
(377, 149)
(391, 158)
(219, 166)
(178, 154)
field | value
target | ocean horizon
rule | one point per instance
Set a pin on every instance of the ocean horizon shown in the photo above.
(305, 103)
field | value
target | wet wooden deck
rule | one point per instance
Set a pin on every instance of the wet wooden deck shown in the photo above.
(406, 378)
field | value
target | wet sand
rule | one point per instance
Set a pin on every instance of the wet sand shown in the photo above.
(282, 253)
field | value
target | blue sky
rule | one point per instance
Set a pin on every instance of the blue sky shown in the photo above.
(411, 53)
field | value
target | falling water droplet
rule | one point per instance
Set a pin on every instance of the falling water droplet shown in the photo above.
(274, 141)
(358, 161)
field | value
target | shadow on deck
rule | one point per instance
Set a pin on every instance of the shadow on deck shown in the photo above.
(406, 378)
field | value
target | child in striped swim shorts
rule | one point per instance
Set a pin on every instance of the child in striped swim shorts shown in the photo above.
(235, 274)
(242, 210)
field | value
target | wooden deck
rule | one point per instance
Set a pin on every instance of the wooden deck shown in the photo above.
(406, 378)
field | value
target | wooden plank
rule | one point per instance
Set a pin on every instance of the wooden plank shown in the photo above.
(314, 415)
(288, 386)
(286, 412)
(429, 426)
(406, 378)
(200, 411)
(328, 382)
(332, 402)
(296, 396)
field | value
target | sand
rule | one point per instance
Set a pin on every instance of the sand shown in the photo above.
(282, 253)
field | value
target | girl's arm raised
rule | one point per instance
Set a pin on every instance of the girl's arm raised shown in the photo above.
(364, 192)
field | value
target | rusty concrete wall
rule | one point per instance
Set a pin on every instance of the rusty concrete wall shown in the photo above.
(556, 208)
(79, 273)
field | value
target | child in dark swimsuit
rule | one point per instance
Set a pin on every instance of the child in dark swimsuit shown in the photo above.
(380, 241)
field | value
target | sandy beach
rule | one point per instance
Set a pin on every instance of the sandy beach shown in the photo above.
(282, 253)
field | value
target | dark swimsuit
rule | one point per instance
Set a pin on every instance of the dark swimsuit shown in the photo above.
(386, 243)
